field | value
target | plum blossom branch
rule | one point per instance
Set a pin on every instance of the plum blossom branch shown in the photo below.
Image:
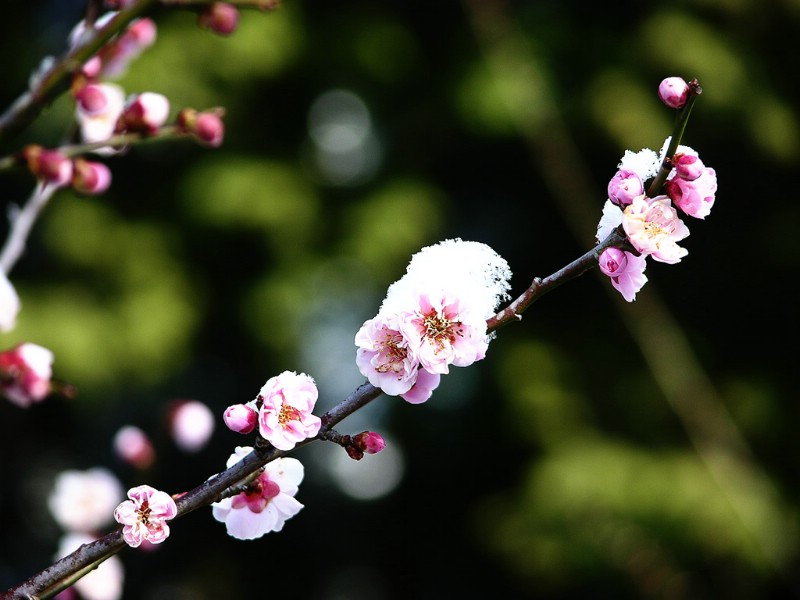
(55, 78)
(22, 220)
(539, 287)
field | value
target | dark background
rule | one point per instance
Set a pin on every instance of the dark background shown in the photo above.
(602, 449)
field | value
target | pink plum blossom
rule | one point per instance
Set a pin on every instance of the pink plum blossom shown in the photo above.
(9, 304)
(132, 445)
(285, 416)
(443, 329)
(673, 91)
(144, 517)
(383, 356)
(241, 418)
(268, 501)
(423, 387)
(654, 228)
(626, 271)
(82, 501)
(191, 424)
(687, 164)
(624, 187)
(25, 373)
(127, 47)
(694, 197)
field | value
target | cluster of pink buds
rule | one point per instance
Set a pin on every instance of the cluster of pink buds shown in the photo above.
(652, 225)
(53, 167)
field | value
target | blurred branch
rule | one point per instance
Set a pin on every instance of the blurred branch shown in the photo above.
(677, 371)
(22, 220)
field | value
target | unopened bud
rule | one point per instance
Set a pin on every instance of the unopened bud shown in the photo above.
(206, 126)
(674, 92)
(624, 186)
(90, 177)
(240, 418)
(220, 17)
(688, 166)
(49, 165)
(369, 442)
(145, 112)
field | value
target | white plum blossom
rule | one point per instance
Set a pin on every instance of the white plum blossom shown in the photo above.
(654, 228)
(268, 501)
(83, 501)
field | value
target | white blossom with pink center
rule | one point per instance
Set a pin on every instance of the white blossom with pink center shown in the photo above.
(285, 416)
(82, 501)
(654, 228)
(144, 516)
(268, 501)
(25, 373)
(98, 107)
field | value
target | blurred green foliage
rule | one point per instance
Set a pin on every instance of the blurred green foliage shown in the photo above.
(560, 466)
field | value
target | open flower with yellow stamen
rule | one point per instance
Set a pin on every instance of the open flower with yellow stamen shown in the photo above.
(285, 417)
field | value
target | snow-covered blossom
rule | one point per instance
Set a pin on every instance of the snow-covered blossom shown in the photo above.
(104, 582)
(144, 516)
(191, 424)
(25, 373)
(82, 501)
(268, 501)
(433, 317)
(654, 228)
(241, 418)
(132, 445)
(285, 416)
(673, 91)
(9, 304)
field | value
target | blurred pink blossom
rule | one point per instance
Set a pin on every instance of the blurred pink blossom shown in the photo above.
(25, 373)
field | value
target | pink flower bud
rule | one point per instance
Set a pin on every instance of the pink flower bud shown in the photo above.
(240, 418)
(624, 186)
(688, 166)
(25, 373)
(133, 446)
(145, 112)
(369, 441)
(49, 165)
(191, 424)
(90, 177)
(220, 17)
(674, 92)
(92, 99)
(205, 126)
